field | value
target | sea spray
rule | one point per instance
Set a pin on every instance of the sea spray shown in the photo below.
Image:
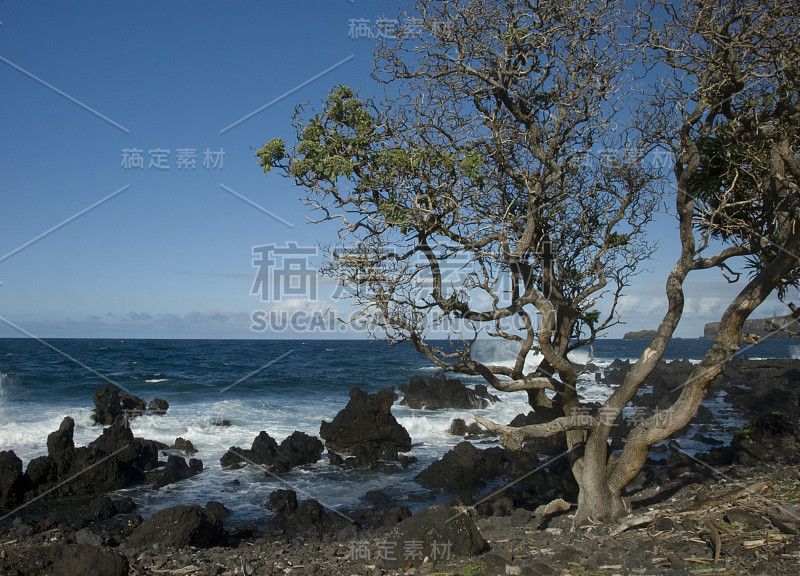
(4, 384)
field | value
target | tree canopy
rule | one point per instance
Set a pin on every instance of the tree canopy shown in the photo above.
(505, 184)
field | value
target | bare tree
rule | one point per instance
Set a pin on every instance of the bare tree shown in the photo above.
(481, 195)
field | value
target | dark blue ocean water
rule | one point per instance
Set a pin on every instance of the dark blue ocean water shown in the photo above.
(274, 385)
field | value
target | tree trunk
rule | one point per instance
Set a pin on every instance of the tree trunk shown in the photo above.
(597, 500)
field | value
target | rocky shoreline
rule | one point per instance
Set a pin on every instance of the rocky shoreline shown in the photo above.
(738, 504)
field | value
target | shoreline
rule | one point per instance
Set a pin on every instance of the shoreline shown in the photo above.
(42, 527)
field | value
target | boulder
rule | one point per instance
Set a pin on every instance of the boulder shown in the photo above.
(114, 460)
(297, 450)
(312, 515)
(133, 405)
(770, 437)
(106, 405)
(458, 427)
(616, 371)
(158, 406)
(11, 479)
(262, 451)
(41, 471)
(184, 445)
(177, 527)
(283, 503)
(443, 393)
(61, 447)
(438, 533)
(102, 507)
(464, 468)
(175, 470)
(366, 422)
(217, 509)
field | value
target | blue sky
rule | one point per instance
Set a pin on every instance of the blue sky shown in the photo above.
(168, 252)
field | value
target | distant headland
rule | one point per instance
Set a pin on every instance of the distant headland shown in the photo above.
(760, 327)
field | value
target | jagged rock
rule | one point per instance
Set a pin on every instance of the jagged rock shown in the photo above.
(103, 507)
(158, 406)
(311, 515)
(218, 509)
(615, 373)
(442, 393)
(184, 445)
(11, 479)
(175, 470)
(770, 437)
(177, 527)
(464, 468)
(458, 427)
(296, 450)
(114, 460)
(262, 451)
(132, 404)
(703, 415)
(759, 386)
(377, 497)
(61, 446)
(283, 502)
(433, 528)
(372, 519)
(366, 428)
(106, 405)
(221, 423)
(41, 471)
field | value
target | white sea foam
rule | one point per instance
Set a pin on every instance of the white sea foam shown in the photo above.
(27, 434)
(5, 382)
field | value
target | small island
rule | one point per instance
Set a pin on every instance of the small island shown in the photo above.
(640, 335)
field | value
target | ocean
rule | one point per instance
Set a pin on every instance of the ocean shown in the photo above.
(274, 385)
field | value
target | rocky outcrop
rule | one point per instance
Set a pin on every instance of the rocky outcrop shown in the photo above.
(759, 386)
(366, 428)
(426, 534)
(107, 405)
(158, 406)
(110, 403)
(175, 470)
(116, 459)
(464, 468)
(441, 393)
(11, 479)
(177, 527)
(770, 437)
(297, 449)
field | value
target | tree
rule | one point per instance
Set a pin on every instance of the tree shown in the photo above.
(482, 197)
